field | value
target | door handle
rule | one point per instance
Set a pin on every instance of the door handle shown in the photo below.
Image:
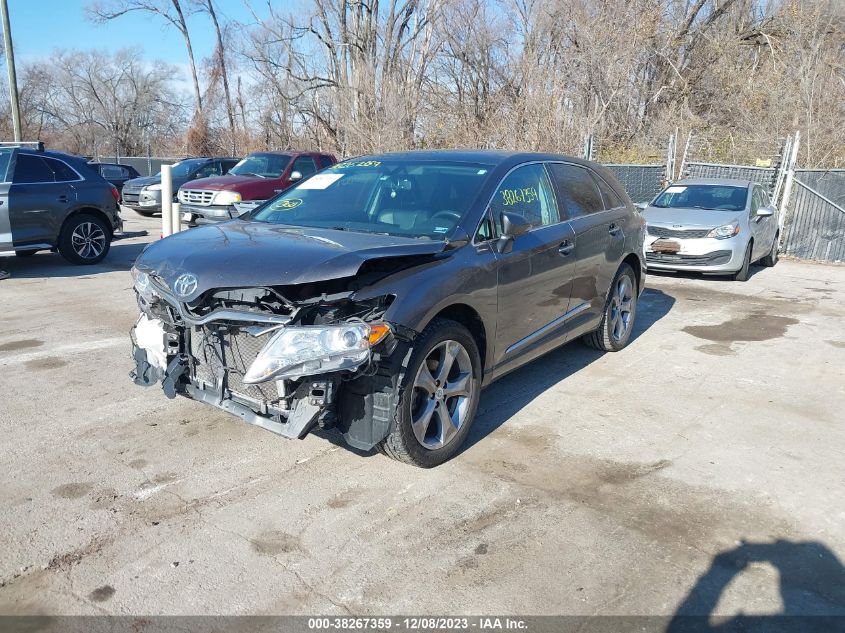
(62, 198)
(614, 230)
(565, 248)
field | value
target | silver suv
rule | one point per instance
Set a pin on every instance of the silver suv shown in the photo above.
(55, 201)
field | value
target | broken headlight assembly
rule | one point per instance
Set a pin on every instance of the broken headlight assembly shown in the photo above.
(142, 282)
(297, 351)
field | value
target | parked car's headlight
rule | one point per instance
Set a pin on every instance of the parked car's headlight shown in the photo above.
(227, 197)
(156, 187)
(725, 231)
(304, 350)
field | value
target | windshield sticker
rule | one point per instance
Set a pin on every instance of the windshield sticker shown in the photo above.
(676, 189)
(290, 203)
(320, 181)
(441, 229)
(364, 163)
(515, 196)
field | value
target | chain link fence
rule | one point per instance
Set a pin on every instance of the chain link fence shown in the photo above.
(642, 182)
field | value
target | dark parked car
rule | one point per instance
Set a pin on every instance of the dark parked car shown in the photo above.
(115, 173)
(257, 178)
(380, 295)
(51, 200)
(143, 195)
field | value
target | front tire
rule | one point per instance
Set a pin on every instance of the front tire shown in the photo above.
(438, 397)
(620, 312)
(742, 273)
(85, 239)
(146, 214)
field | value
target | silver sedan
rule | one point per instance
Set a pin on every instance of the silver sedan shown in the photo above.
(711, 226)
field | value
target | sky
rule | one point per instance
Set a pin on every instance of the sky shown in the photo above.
(39, 26)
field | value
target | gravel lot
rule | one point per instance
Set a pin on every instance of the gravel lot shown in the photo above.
(700, 470)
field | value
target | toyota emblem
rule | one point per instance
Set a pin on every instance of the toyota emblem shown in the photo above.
(185, 285)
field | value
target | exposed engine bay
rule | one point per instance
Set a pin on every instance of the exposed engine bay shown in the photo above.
(285, 358)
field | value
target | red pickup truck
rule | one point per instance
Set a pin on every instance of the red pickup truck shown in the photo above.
(258, 177)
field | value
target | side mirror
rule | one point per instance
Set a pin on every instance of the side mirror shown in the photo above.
(295, 175)
(513, 225)
(765, 212)
(641, 205)
(459, 238)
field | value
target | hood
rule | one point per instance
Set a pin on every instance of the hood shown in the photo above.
(242, 254)
(703, 218)
(227, 182)
(143, 181)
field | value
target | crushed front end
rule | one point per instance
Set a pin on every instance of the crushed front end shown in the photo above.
(286, 358)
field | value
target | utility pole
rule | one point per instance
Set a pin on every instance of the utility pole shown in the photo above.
(10, 66)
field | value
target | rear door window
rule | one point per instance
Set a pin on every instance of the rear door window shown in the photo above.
(577, 192)
(29, 168)
(526, 191)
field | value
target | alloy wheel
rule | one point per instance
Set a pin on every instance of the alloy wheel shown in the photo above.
(621, 306)
(443, 390)
(88, 240)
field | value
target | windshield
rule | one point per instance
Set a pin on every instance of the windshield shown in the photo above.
(185, 168)
(423, 199)
(263, 165)
(715, 197)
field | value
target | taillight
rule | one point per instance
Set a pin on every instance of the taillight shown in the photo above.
(115, 194)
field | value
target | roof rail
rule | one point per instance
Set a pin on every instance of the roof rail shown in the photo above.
(37, 145)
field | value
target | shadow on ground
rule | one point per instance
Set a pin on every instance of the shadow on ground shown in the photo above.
(510, 394)
(811, 584)
(525, 384)
(684, 274)
(46, 264)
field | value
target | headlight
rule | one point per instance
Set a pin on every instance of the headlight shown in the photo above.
(142, 282)
(226, 197)
(153, 187)
(303, 350)
(725, 231)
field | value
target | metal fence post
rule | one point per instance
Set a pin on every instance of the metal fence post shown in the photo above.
(176, 214)
(166, 200)
(787, 184)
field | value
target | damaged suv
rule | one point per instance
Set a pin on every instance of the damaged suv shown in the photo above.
(379, 296)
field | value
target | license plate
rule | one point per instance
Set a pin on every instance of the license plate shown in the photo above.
(665, 246)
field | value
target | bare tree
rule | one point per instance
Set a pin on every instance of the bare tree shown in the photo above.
(170, 11)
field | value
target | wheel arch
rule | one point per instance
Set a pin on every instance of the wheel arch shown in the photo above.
(634, 261)
(469, 317)
(99, 213)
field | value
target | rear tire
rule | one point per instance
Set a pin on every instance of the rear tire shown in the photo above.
(432, 398)
(742, 273)
(620, 313)
(772, 258)
(85, 239)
